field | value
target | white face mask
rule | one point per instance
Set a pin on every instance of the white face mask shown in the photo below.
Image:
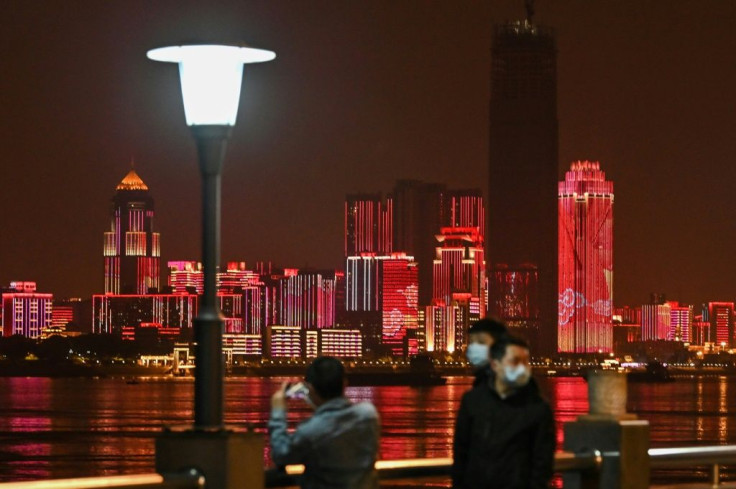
(477, 354)
(517, 376)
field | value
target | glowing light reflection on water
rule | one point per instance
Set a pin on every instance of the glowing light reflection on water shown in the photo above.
(51, 428)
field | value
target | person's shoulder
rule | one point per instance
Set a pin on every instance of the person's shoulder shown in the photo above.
(365, 409)
(477, 392)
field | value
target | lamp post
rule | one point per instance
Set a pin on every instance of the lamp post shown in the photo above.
(211, 76)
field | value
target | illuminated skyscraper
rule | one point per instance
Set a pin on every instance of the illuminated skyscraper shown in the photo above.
(656, 321)
(586, 260)
(459, 267)
(132, 248)
(464, 209)
(307, 299)
(721, 317)
(368, 224)
(681, 322)
(524, 169)
(458, 294)
(398, 279)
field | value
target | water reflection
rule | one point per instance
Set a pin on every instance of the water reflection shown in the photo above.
(81, 427)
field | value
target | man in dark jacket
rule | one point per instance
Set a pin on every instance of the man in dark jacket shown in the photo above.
(504, 435)
(481, 336)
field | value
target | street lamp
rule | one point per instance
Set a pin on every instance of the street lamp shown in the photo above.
(211, 76)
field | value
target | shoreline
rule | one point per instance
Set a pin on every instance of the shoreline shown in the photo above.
(55, 370)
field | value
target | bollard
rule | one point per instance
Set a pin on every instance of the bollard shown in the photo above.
(622, 439)
(226, 459)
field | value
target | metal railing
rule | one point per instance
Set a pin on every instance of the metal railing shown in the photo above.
(659, 458)
(429, 467)
(713, 456)
(189, 480)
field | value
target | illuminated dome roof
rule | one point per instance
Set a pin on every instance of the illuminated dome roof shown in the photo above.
(132, 182)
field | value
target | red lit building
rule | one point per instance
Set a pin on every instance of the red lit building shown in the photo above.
(681, 322)
(459, 265)
(368, 224)
(24, 311)
(307, 299)
(464, 209)
(131, 247)
(656, 321)
(112, 313)
(186, 277)
(721, 317)
(444, 327)
(361, 286)
(399, 295)
(458, 286)
(236, 277)
(585, 244)
(516, 299)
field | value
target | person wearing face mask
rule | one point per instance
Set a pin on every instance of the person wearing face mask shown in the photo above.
(481, 336)
(504, 433)
(338, 444)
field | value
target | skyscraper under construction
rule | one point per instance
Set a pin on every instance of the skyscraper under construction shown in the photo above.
(523, 172)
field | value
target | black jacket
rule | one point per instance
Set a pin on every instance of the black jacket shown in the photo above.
(503, 443)
(482, 375)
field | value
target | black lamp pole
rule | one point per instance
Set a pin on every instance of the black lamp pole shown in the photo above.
(209, 326)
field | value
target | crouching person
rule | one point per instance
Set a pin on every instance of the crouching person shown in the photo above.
(338, 444)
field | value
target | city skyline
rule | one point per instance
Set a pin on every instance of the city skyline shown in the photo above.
(331, 118)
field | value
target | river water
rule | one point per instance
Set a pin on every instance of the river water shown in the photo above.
(76, 427)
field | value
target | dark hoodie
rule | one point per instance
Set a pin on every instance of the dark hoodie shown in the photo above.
(503, 443)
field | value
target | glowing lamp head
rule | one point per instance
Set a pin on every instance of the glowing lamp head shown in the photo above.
(211, 76)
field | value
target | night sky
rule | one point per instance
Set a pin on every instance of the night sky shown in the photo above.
(362, 93)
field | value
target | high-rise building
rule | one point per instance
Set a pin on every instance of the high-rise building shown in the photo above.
(132, 248)
(25, 311)
(721, 317)
(523, 169)
(368, 224)
(464, 209)
(307, 299)
(418, 217)
(459, 286)
(459, 265)
(236, 277)
(112, 314)
(398, 302)
(516, 298)
(186, 277)
(656, 321)
(66, 314)
(585, 260)
(681, 322)
(444, 325)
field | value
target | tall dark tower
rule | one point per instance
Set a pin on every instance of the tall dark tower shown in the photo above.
(418, 212)
(131, 248)
(523, 170)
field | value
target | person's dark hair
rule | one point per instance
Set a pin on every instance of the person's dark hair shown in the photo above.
(498, 350)
(493, 327)
(326, 374)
